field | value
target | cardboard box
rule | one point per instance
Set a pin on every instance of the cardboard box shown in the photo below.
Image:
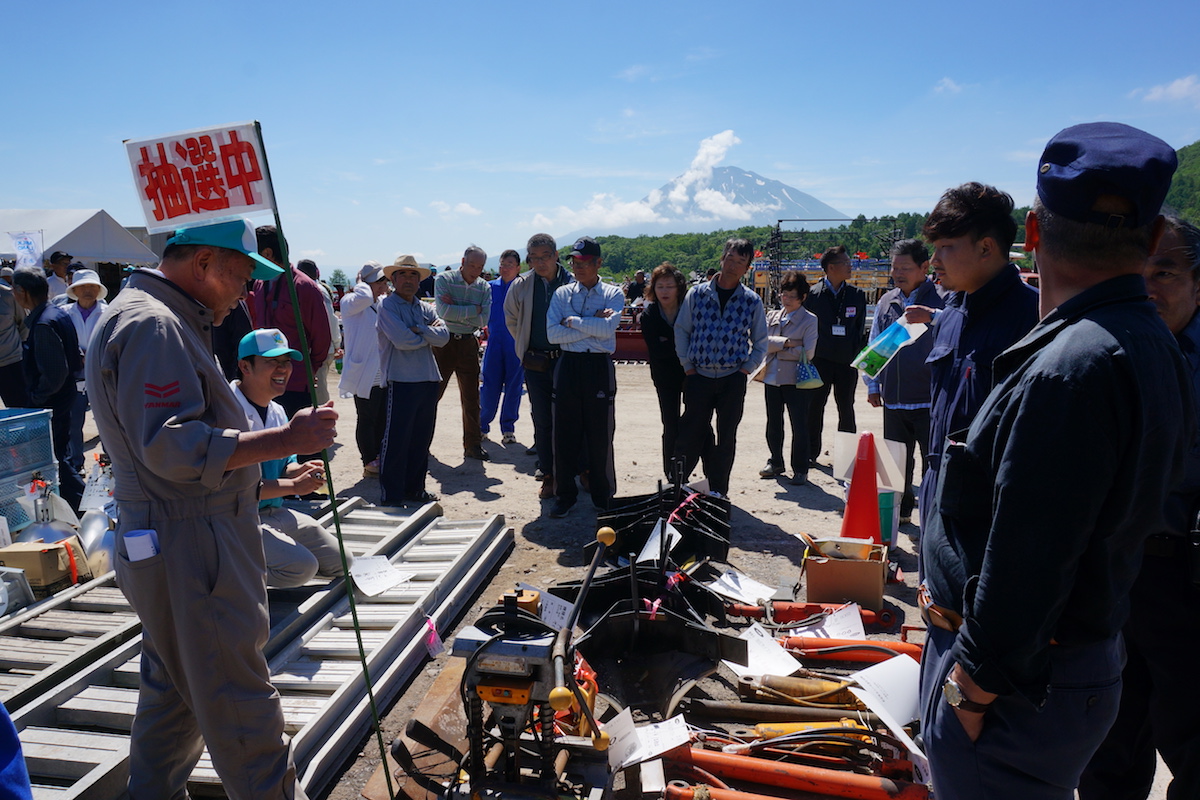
(847, 570)
(48, 567)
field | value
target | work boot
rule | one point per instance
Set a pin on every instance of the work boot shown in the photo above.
(477, 453)
(549, 488)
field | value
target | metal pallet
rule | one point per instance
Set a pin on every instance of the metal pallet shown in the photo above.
(75, 734)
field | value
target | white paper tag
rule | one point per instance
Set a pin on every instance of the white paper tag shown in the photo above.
(554, 611)
(629, 744)
(374, 575)
(141, 544)
(5, 536)
(744, 589)
(843, 623)
(653, 547)
(892, 690)
(839, 330)
(766, 656)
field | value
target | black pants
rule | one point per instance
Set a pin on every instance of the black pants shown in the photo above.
(796, 402)
(842, 380)
(1160, 698)
(412, 408)
(371, 422)
(702, 397)
(668, 385)
(910, 426)
(585, 392)
(540, 388)
(70, 485)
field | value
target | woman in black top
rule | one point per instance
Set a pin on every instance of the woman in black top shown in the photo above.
(664, 295)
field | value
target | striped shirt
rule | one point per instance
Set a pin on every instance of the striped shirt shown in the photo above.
(464, 308)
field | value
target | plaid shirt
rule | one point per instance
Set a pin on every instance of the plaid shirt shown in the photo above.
(463, 308)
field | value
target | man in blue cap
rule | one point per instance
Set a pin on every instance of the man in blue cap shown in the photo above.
(1043, 503)
(186, 470)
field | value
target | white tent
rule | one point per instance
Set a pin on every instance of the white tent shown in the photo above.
(87, 234)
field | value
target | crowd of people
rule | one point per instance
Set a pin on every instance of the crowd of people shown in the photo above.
(1056, 429)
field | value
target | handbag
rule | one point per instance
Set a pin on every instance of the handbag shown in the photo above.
(807, 376)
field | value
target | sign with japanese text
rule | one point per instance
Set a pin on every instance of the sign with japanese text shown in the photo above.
(198, 176)
(28, 247)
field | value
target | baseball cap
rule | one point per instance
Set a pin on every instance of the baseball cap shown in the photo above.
(268, 342)
(1083, 162)
(585, 247)
(59, 255)
(370, 272)
(236, 234)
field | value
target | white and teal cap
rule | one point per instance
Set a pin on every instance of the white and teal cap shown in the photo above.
(266, 342)
(234, 234)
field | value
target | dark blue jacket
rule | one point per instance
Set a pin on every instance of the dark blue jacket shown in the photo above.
(1044, 504)
(969, 333)
(906, 379)
(51, 337)
(847, 308)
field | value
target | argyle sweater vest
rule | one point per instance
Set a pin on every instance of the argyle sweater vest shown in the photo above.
(721, 341)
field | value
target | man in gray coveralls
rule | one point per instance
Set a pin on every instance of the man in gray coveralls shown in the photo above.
(186, 477)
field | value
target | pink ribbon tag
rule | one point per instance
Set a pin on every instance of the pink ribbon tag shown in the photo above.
(652, 607)
(433, 642)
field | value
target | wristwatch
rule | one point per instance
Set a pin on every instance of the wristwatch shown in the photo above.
(956, 698)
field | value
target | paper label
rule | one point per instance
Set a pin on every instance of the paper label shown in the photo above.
(744, 589)
(653, 547)
(554, 611)
(630, 744)
(843, 623)
(374, 575)
(892, 690)
(433, 640)
(765, 655)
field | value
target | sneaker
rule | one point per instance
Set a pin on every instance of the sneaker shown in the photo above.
(548, 488)
(371, 470)
(508, 438)
(562, 507)
(906, 519)
(799, 479)
(422, 498)
(477, 453)
(483, 437)
(771, 470)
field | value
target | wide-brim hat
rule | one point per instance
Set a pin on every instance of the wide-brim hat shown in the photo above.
(237, 234)
(86, 277)
(406, 262)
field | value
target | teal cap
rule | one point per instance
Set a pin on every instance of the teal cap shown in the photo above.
(235, 234)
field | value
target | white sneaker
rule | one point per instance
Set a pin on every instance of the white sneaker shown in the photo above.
(508, 438)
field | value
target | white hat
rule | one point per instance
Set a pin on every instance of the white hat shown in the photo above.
(370, 272)
(84, 277)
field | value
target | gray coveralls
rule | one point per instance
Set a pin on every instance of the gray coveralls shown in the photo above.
(170, 422)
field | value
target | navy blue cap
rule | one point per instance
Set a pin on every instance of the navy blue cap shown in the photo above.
(586, 247)
(1083, 162)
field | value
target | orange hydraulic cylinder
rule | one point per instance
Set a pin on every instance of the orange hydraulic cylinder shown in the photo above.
(810, 645)
(803, 778)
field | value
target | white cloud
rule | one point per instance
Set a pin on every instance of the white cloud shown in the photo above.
(411, 212)
(690, 199)
(634, 72)
(449, 212)
(947, 86)
(1185, 90)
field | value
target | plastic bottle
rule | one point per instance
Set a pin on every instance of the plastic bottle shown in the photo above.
(883, 348)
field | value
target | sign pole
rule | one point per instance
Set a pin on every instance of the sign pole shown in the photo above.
(337, 521)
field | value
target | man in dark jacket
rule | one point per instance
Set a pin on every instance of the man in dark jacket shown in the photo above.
(902, 388)
(51, 360)
(841, 311)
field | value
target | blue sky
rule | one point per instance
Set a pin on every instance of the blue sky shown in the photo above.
(421, 128)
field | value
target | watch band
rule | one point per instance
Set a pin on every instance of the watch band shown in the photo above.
(955, 697)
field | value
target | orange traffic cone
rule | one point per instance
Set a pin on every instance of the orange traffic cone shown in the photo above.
(861, 519)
